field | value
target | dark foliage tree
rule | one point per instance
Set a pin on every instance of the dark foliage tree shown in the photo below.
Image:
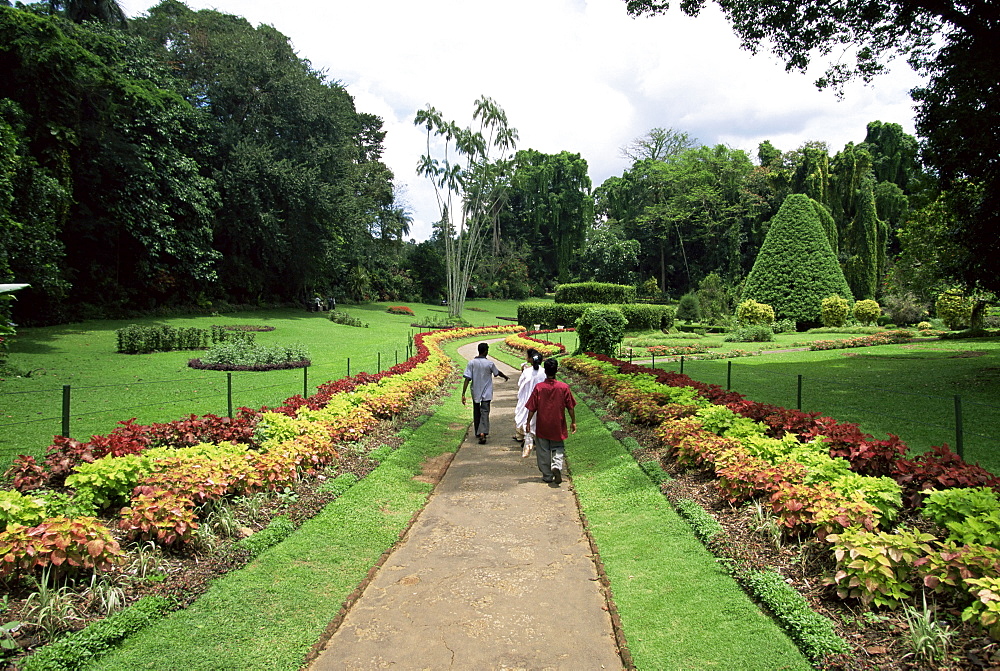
(103, 11)
(608, 256)
(691, 216)
(110, 173)
(550, 208)
(425, 263)
(297, 167)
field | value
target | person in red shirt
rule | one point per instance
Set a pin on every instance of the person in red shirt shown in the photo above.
(550, 401)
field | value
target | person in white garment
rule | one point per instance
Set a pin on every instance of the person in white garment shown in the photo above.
(531, 374)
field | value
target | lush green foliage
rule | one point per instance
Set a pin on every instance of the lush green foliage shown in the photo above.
(751, 312)
(954, 309)
(867, 312)
(834, 311)
(551, 211)
(110, 480)
(600, 329)
(17, 508)
(795, 268)
(876, 567)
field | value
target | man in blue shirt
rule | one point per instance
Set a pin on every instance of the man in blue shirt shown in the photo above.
(480, 372)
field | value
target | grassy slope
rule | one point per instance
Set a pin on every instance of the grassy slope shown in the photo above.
(161, 387)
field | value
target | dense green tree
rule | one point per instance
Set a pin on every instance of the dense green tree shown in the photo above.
(303, 190)
(113, 174)
(551, 207)
(958, 110)
(425, 264)
(894, 154)
(608, 256)
(812, 171)
(796, 267)
(691, 216)
(865, 244)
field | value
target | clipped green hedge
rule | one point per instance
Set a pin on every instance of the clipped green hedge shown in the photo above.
(77, 650)
(140, 339)
(595, 292)
(638, 317)
(813, 633)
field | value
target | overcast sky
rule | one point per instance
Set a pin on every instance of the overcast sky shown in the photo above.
(574, 75)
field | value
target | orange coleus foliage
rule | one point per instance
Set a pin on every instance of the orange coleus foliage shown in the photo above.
(157, 514)
(70, 544)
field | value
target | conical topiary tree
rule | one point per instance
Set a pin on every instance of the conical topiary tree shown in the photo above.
(796, 268)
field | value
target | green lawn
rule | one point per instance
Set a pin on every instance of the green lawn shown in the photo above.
(107, 387)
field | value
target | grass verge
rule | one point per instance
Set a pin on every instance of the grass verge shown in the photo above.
(679, 609)
(270, 614)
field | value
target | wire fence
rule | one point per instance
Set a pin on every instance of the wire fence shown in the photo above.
(30, 418)
(968, 425)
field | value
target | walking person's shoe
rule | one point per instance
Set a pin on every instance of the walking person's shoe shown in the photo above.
(482, 439)
(557, 475)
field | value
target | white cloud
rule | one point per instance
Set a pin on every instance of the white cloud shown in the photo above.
(574, 75)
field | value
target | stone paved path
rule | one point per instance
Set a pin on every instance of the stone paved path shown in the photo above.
(495, 573)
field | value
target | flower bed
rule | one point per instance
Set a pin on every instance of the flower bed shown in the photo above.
(884, 338)
(399, 310)
(165, 471)
(522, 342)
(830, 484)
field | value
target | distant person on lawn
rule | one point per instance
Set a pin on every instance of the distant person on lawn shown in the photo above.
(550, 401)
(480, 372)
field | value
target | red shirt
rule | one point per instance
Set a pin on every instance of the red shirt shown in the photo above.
(549, 400)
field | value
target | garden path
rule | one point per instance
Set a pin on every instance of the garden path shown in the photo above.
(496, 572)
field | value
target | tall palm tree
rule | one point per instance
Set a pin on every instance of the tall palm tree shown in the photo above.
(105, 11)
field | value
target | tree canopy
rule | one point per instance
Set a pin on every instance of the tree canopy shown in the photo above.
(958, 111)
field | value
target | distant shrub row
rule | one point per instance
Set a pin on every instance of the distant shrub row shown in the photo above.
(595, 292)
(138, 339)
(637, 316)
